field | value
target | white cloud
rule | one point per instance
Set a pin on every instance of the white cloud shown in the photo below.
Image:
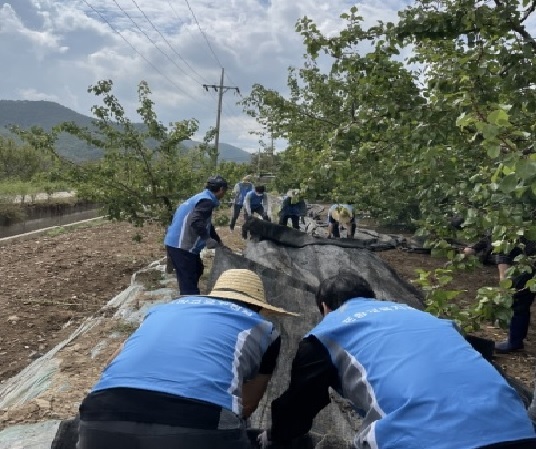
(54, 49)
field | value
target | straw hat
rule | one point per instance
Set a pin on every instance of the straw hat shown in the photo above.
(246, 286)
(246, 178)
(342, 214)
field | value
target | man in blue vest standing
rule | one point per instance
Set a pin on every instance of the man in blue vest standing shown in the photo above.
(190, 376)
(412, 377)
(190, 231)
(240, 190)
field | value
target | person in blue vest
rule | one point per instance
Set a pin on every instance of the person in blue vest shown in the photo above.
(412, 377)
(190, 231)
(190, 376)
(341, 215)
(293, 207)
(240, 191)
(256, 202)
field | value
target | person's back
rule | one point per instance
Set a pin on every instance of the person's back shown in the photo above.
(426, 386)
(190, 375)
(188, 359)
(240, 190)
(412, 377)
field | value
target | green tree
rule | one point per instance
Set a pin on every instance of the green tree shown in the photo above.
(145, 170)
(448, 132)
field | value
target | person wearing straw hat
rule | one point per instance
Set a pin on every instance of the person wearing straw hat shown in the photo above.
(412, 377)
(190, 231)
(341, 215)
(191, 374)
(293, 207)
(240, 190)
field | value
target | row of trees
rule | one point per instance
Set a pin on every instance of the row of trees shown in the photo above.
(421, 120)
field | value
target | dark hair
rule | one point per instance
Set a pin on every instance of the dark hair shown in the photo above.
(215, 183)
(336, 290)
(260, 189)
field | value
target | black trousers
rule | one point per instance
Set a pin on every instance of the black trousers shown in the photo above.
(134, 435)
(236, 213)
(255, 210)
(283, 220)
(188, 268)
(335, 231)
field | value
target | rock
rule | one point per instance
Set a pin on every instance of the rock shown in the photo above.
(13, 319)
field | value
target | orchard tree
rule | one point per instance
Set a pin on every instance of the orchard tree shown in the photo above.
(144, 172)
(449, 132)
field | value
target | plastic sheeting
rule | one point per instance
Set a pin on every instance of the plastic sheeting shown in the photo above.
(291, 284)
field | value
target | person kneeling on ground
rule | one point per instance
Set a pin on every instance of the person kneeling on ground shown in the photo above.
(412, 377)
(341, 215)
(191, 374)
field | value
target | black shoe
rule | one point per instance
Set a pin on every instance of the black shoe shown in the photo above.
(506, 346)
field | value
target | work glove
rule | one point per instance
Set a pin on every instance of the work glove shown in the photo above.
(211, 243)
(264, 439)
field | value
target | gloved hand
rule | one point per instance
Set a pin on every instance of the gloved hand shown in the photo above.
(264, 439)
(265, 217)
(211, 243)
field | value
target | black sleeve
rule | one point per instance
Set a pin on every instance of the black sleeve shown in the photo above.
(312, 374)
(269, 359)
(198, 219)
(213, 234)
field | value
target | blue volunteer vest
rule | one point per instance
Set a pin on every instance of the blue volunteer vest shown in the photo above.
(194, 347)
(244, 188)
(254, 199)
(335, 206)
(180, 233)
(416, 381)
(289, 208)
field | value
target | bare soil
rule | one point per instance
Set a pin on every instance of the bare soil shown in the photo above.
(51, 283)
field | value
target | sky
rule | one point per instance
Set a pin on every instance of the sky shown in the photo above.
(54, 49)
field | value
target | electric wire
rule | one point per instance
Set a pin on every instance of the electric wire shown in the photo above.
(239, 122)
(167, 42)
(153, 42)
(155, 68)
(204, 35)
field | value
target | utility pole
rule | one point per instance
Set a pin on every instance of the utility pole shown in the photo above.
(221, 89)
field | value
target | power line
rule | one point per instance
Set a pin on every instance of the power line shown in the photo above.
(204, 35)
(152, 41)
(168, 43)
(136, 50)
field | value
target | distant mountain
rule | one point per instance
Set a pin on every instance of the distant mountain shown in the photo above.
(46, 114)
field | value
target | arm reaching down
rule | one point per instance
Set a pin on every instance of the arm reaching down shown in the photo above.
(252, 393)
(254, 389)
